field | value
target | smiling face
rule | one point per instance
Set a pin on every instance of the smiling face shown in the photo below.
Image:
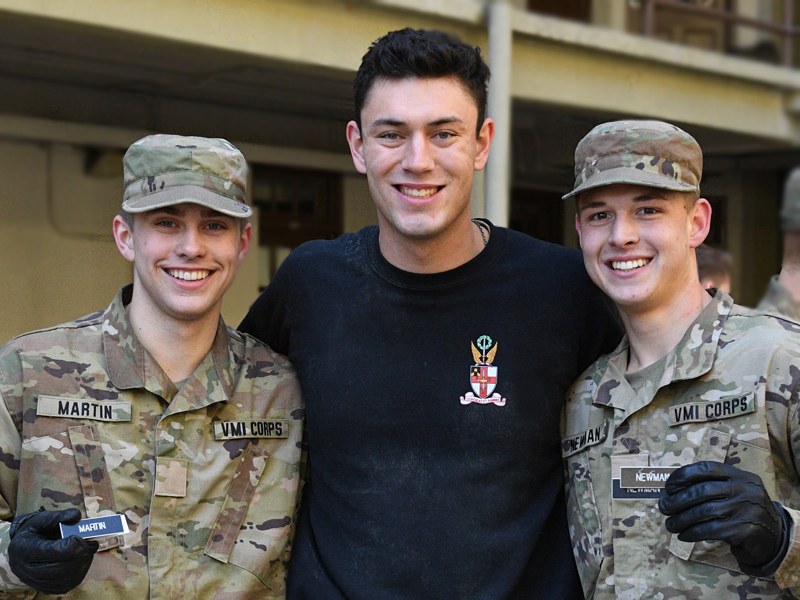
(419, 151)
(638, 243)
(185, 257)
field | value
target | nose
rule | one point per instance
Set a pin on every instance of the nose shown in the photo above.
(418, 155)
(190, 245)
(624, 231)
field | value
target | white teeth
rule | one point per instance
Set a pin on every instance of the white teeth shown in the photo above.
(418, 193)
(627, 265)
(188, 275)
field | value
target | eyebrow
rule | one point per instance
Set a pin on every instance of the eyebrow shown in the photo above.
(170, 211)
(390, 122)
(447, 120)
(589, 205)
(650, 196)
(174, 211)
(640, 198)
(397, 123)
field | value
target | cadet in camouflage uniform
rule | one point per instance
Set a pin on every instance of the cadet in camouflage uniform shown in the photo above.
(155, 410)
(783, 292)
(695, 414)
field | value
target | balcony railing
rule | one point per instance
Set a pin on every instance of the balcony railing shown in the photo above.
(786, 30)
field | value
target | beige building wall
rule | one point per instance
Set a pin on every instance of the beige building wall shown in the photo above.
(244, 289)
(49, 274)
(359, 209)
(59, 260)
(592, 78)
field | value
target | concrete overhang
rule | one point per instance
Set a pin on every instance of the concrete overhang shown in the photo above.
(589, 68)
(569, 64)
(556, 63)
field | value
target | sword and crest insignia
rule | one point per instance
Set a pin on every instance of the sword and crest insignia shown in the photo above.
(483, 375)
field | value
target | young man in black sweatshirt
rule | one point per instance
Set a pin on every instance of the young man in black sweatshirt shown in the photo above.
(433, 353)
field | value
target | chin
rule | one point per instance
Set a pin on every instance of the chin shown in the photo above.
(633, 304)
(625, 297)
(417, 230)
(190, 313)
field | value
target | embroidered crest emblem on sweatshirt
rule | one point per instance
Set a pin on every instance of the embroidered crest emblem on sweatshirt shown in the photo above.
(483, 375)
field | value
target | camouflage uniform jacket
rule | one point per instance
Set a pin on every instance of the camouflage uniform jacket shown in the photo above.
(207, 475)
(727, 392)
(779, 300)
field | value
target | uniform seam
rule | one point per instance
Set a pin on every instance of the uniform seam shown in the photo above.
(15, 415)
(794, 405)
(70, 326)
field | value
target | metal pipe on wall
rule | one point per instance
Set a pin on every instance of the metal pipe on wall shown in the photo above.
(498, 169)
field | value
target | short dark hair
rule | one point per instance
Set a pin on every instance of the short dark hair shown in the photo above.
(127, 217)
(426, 54)
(713, 263)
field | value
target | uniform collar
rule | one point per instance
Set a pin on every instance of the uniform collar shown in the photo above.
(131, 366)
(691, 358)
(779, 299)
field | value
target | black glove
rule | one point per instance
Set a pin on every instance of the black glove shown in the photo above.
(44, 561)
(714, 501)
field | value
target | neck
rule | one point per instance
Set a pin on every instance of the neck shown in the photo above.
(451, 248)
(654, 333)
(790, 270)
(177, 346)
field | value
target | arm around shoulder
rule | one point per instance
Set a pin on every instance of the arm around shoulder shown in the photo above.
(268, 317)
(788, 574)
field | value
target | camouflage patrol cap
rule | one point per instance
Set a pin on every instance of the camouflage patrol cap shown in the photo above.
(790, 209)
(163, 170)
(651, 153)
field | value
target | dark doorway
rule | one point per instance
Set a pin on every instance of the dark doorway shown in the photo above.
(295, 206)
(717, 234)
(575, 10)
(538, 213)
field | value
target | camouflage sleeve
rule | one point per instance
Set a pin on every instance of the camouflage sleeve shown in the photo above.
(10, 451)
(788, 574)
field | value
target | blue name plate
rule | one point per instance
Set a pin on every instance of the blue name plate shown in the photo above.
(97, 527)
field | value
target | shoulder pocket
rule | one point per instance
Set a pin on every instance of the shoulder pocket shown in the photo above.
(584, 520)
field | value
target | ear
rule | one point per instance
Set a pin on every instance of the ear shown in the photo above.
(123, 236)
(356, 143)
(485, 137)
(244, 242)
(699, 222)
(578, 228)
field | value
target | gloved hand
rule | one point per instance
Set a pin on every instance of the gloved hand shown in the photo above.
(714, 501)
(44, 561)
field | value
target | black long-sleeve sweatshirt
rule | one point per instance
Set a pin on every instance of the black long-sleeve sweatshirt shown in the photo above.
(435, 472)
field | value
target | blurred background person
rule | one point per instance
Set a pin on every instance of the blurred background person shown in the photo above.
(714, 267)
(783, 292)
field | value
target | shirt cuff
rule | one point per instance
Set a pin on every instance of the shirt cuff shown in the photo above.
(788, 573)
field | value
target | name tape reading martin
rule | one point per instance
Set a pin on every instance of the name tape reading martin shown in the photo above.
(96, 527)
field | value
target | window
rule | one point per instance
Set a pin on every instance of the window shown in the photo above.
(575, 10)
(295, 206)
(538, 213)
